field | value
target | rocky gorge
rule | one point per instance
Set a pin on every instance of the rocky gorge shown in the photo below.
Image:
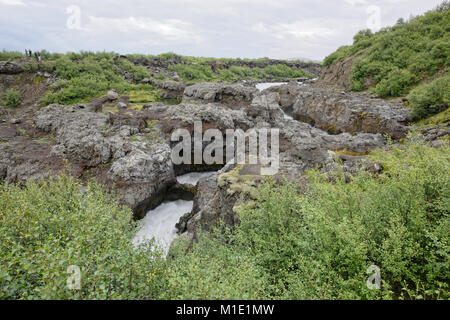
(128, 150)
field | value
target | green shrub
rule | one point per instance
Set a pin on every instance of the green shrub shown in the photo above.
(12, 98)
(396, 84)
(431, 98)
(45, 228)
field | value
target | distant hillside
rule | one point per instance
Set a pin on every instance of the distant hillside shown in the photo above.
(410, 57)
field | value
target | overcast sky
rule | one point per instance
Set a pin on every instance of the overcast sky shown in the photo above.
(213, 28)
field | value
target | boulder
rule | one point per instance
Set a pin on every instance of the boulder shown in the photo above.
(8, 67)
(171, 89)
(112, 95)
(229, 94)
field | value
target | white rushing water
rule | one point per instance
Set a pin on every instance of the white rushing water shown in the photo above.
(265, 85)
(193, 177)
(160, 222)
(286, 116)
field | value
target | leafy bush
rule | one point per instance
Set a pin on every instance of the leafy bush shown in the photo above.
(91, 74)
(45, 228)
(396, 84)
(431, 98)
(12, 98)
(316, 244)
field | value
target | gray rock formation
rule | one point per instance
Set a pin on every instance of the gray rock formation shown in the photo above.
(7, 67)
(338, 112)
(172, 89)
(140, 169)
(235, 94)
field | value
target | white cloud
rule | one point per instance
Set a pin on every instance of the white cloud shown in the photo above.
(173, 30)
(296, 29)
(12, 2)
(355, 2)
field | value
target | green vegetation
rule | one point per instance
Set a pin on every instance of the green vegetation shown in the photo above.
(431, 98)
(86, 75)
(12, 98)
(204, 72)
(396, 59)
(47, 227)
(438, 119)
(315, 244)
(319, 245)
(10, 55)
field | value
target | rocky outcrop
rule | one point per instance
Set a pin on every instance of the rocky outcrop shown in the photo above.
(338, 74)
(338, 111)
(206, 92)
(172, 89)
(302, 147)
(139, 168)
(351, 112)
(8, 67)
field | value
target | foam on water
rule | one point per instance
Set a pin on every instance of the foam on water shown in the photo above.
(159, 223)
(264, 85)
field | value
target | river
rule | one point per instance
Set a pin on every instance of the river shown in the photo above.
(160, 222)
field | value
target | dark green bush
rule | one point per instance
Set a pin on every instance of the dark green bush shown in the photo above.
(45, 228)
(431, 98)
(12, 98)
(395, 84)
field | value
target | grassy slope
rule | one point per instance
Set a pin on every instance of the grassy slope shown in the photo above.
(403, 59)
